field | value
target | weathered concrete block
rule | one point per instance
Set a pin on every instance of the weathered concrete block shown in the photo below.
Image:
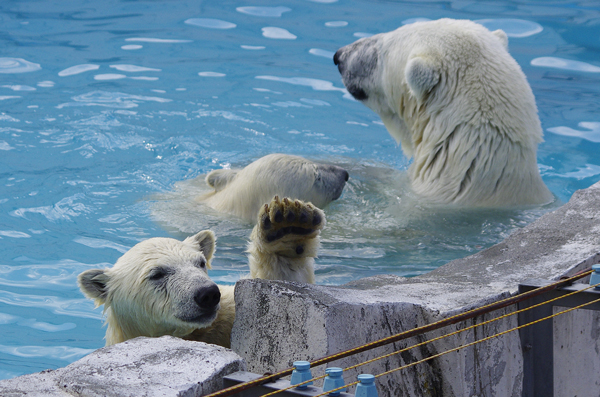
(165, 366)
(279, 322)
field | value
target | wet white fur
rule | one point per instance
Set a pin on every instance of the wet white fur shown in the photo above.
(460, 106)
(242, 192)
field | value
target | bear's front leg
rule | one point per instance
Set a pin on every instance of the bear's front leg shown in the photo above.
(285, 241)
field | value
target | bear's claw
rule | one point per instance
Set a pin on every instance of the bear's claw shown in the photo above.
(285, 217)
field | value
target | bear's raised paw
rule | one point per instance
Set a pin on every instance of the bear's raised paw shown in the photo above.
(289, 220)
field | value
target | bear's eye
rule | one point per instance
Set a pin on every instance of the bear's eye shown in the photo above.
(201, 264)
(158, 274)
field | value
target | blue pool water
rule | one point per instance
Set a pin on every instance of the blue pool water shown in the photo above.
(106, 105)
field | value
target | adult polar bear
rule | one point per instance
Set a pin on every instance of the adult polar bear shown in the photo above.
(459, 104)
(161, 286)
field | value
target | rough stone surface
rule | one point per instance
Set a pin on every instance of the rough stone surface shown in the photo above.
(165, 366)
(279, 322)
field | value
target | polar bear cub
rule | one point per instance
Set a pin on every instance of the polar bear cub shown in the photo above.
(459, 104)
(242, 192)
(161, 286)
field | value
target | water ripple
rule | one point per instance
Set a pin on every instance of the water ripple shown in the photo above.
(315, 84)
(55, 352)
(587, 171)
(101, 243)
(210, 23)
(565, 64)
(49, 275)
(34, 324)
(413, 20)
(271, 32)
(111, 99)
(592, 135)
(321, 53)
(5, 146)
(133, 68)
(155, 40)
(65, 209)
(512, 27)
(336, 24)
(211, 74)
(19, 87)
(69, 307)
(73, 70)
(13, 234)
(109, 76)
(263, 11)
(17, 65)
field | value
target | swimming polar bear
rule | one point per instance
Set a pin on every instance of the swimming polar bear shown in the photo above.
(450, 93)
(161, 286)
(242, 192)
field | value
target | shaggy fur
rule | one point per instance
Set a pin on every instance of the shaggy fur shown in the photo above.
(460, 106)
(161, 286)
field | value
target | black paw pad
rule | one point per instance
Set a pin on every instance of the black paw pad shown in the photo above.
(266, 223)
(316, 219)
(278, 216)
(290, 217)
(303, 217)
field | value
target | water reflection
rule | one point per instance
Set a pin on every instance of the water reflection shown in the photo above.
(17, 65)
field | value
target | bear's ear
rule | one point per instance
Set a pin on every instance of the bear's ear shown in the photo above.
(205, 241)
(218, 179)
(500, 34)
(93, 284)
(421, 76)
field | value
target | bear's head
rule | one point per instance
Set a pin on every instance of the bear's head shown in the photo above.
(243, 192)
(428, 78)
(158, 287)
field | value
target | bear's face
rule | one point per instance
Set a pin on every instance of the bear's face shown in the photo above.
(160, 286)
(425, 65)
(277, 174)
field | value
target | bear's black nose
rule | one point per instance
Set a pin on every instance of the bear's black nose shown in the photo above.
(208, 297)
(336, 58)
(346, 175)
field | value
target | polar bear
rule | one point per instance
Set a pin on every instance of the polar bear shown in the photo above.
(450, 93)
(161, 286)
(242, 192)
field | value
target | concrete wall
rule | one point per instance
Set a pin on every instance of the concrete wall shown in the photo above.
(279, 322)
(165, 366)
